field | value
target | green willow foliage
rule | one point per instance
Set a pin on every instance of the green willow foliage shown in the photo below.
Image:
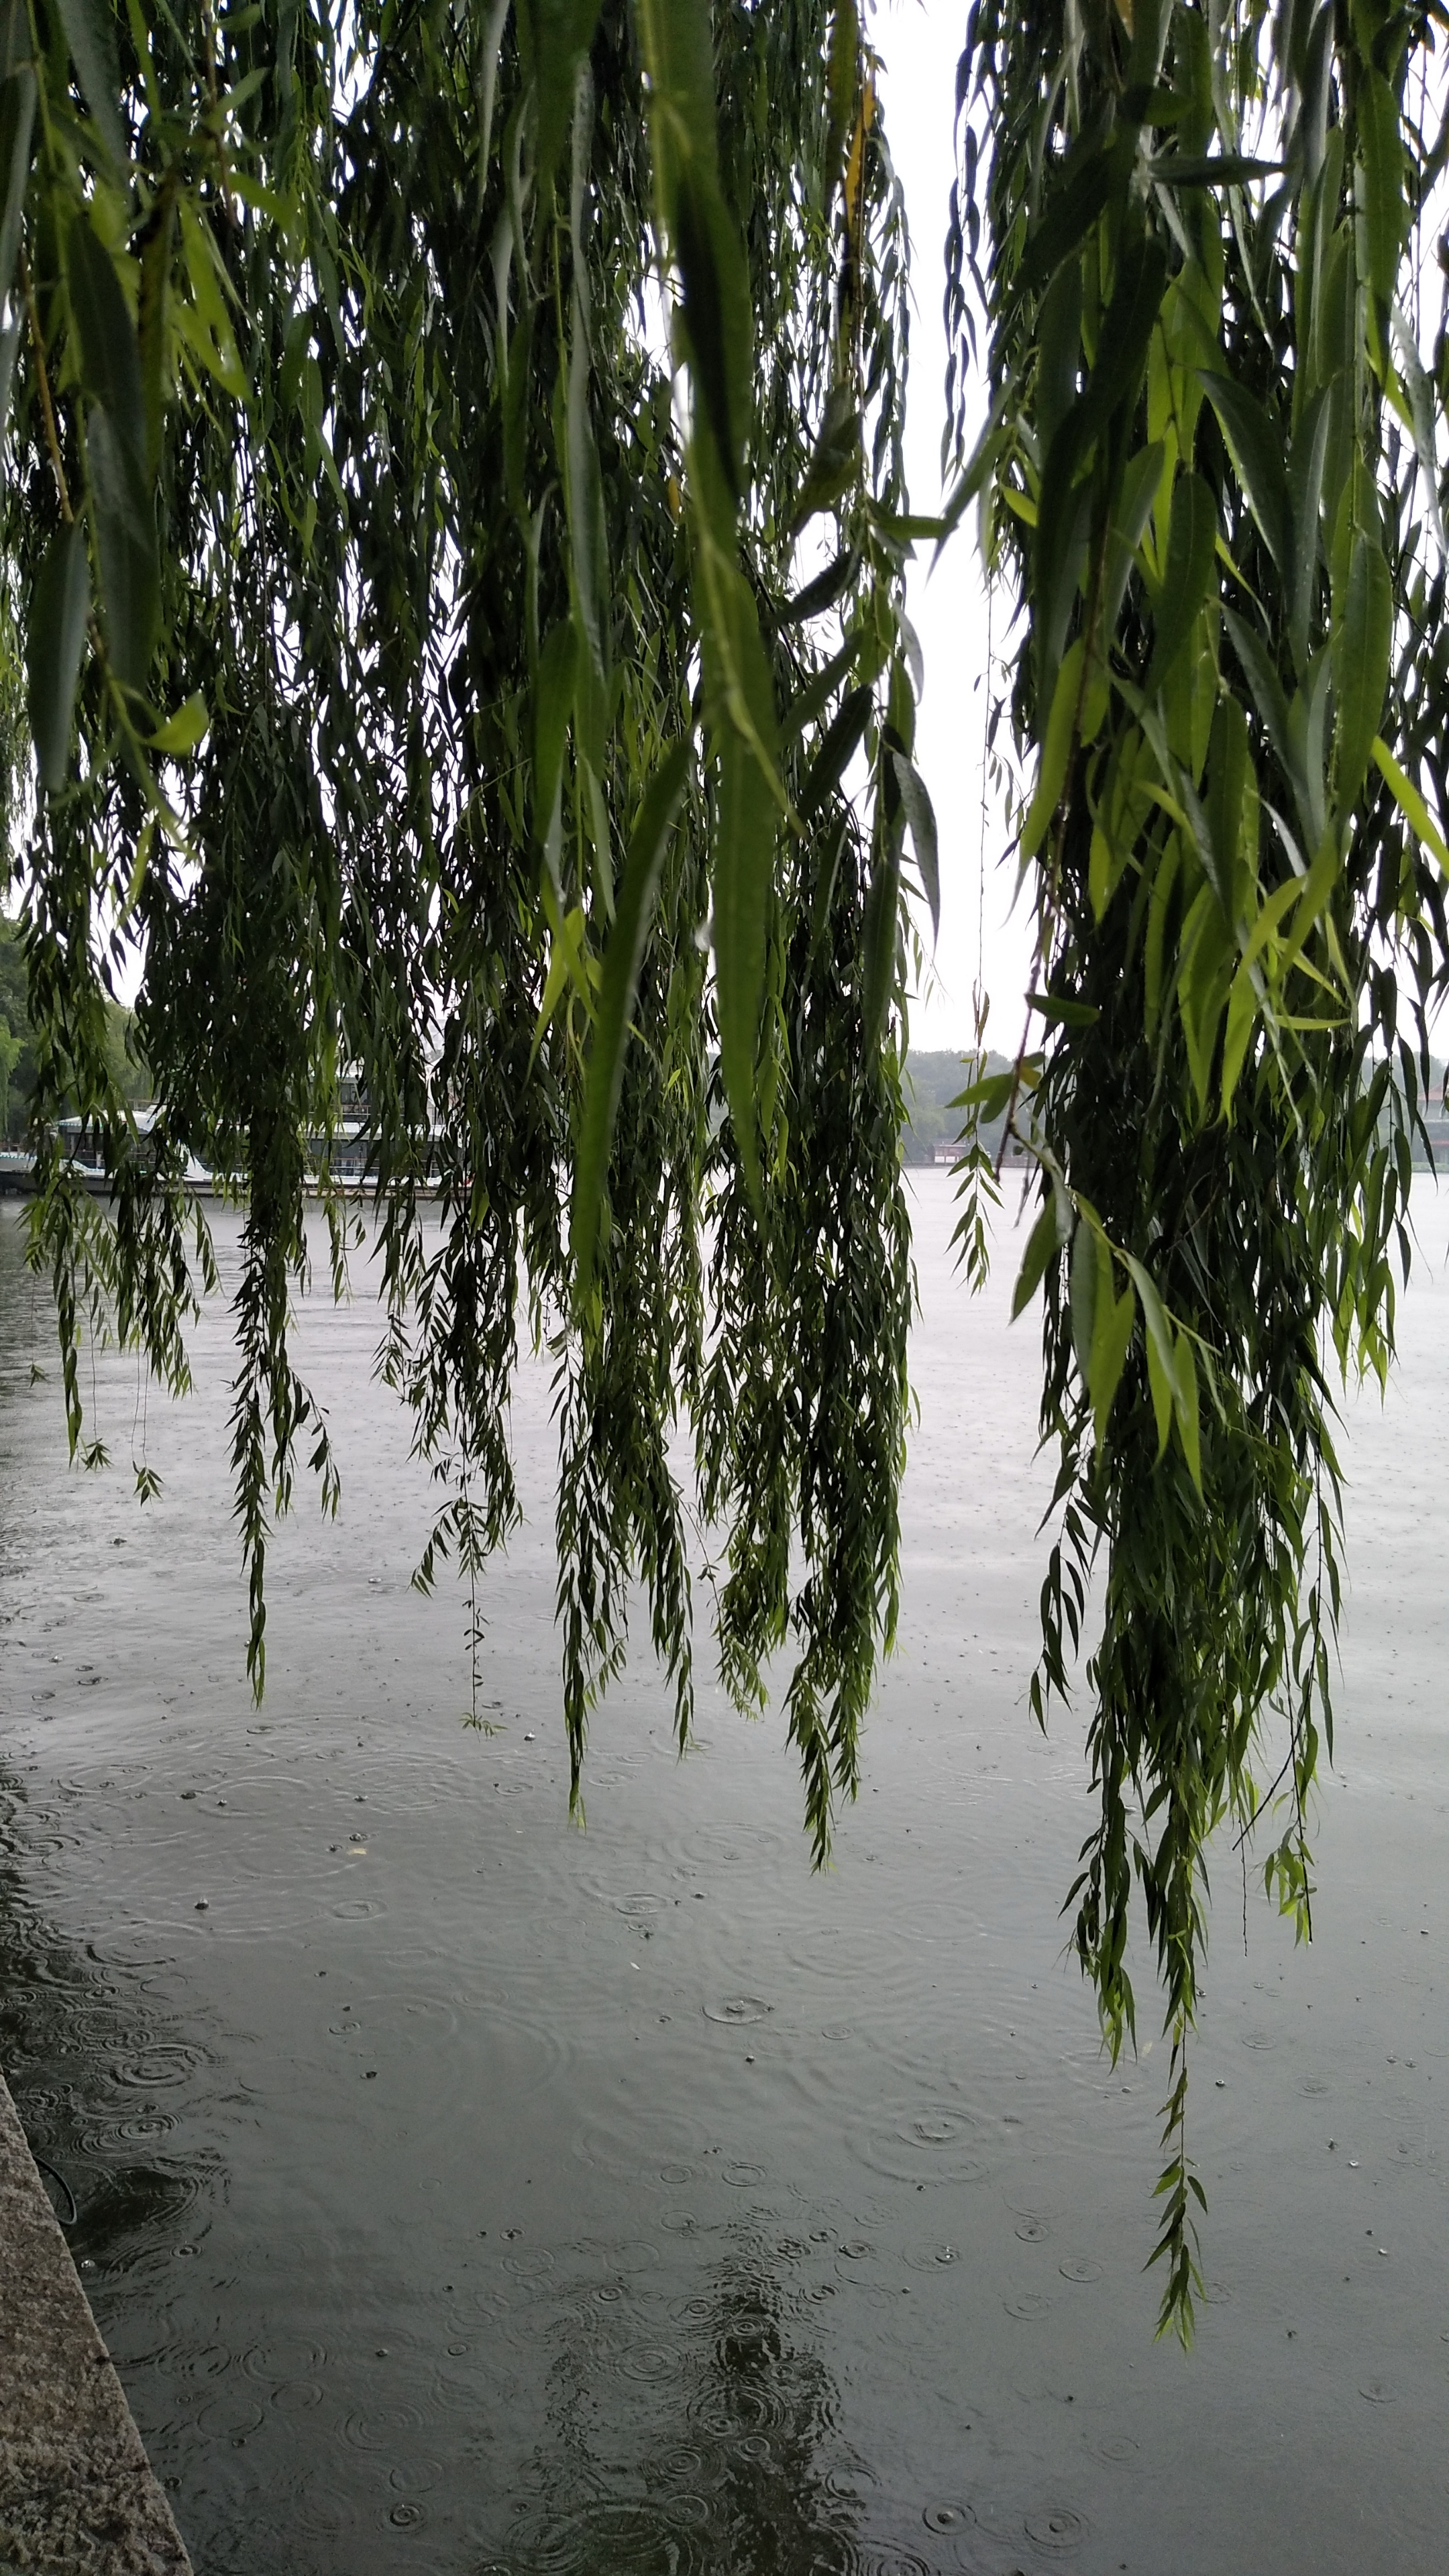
(452, 534)
(1211, 476)
(453, 545)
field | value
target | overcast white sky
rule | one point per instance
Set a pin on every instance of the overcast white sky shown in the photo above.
(920, 41)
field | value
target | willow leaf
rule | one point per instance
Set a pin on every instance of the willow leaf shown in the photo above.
(623, 958)
(57, 641)
(90, 33)
(1188, 575)
(921, 819)
(1362, 644)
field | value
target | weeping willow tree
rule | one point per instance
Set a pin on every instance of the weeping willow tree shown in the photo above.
(1211, 474)
(453, 558)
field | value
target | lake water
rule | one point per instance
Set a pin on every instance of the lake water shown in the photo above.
(459, 2192)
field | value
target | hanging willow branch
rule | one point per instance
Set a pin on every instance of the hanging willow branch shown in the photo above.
(453, 535)
(454, 531)
(1212, 477)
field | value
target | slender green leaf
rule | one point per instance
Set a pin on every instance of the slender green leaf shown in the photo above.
(90, 33)
(182, 731)
(17, 125)
(920, 816)
(1070, 213)
(678, 51)
(557, 36)
(1209, 170)
(553, 699)
(1082, 1290)
(1043, 1241)
(843, 738)
(1383, 172)
(1189, 576)
(623, 958)
(1362, 642)
(126, 543)
(823, 592)
(57, 641)
(1421, 412)
(1185, 1401)
(747, 817)
(880, 939)
(1111, 1341)
(1305, 488)
(842, 84)
(1411, 805)
(1256, 448)
(836, 460)
(1161, 1361)
(1062, 1012)
(1056, 752)
(110, 352)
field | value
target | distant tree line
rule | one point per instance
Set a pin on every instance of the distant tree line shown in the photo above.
(934, 1083)
(18, 1067)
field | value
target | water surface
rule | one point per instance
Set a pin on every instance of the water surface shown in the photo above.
(462, 2193)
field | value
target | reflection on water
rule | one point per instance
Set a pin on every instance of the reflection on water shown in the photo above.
(90, 2066)
(730, 2455)
(463, 2194)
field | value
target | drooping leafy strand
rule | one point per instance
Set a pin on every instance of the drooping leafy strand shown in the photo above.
(454, 529)
(1211, 478)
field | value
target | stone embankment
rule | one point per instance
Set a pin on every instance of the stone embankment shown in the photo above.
(77, 2493)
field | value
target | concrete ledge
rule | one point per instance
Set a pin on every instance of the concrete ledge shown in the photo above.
(77, 2493)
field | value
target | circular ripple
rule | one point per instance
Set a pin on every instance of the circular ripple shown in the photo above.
(947, 2517)
(856, 2485)
(1080, 2268)
(676, 2173)
(718, 1843)
(167, 2062)
(1055, 2527)
(230, 2417)
(415, 2477)
(737, 2008)
(149, 2123)
(385, 2427)
(407, 2517)
(529, 2263)
(1032, 2231)
(1030, 2304)
(1379, 2392)
(1258, 2039)
(1117, 2446)
(930, 2142)
(743, 2177)
(1313, 2084)
(287, 2358)
(745, 2406)
(640, 1906)
(650, 2361)
(891, 2562)
(614, 2538)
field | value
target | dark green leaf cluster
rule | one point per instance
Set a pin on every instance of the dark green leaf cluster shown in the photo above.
(1210, 477)
(453, 534)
